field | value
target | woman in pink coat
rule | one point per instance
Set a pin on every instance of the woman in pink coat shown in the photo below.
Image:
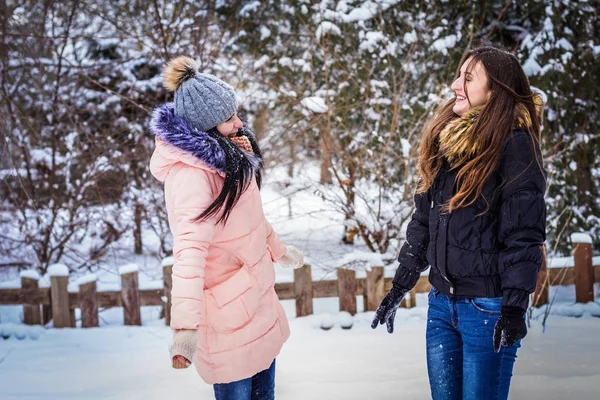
(225, 313)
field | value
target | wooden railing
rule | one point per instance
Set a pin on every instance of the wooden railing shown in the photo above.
(40, 305)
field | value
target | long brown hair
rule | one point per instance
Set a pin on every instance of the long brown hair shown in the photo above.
(509, 86)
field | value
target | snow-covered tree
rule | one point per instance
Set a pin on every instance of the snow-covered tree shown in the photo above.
(345, 84)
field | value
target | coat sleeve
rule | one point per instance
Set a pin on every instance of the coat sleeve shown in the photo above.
(277, 248)
(413, 254)
(191, 196)
(522, 219)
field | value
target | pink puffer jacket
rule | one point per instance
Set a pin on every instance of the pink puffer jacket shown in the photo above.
(223, 276)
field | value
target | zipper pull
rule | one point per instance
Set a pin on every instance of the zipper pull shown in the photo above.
(432, 204)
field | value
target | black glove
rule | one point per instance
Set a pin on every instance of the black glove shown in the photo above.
(386, 312)
(510, 328)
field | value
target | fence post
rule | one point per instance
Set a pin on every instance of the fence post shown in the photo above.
(59, 280)
(583, 271)
(167, 265)
(87, 301)
(374, 291)
(130, 294)
(347, 290)
(47, 311)
(31, 312)
(541, 295)
(303, 291)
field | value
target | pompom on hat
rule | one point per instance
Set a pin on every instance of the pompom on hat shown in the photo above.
(203, 100)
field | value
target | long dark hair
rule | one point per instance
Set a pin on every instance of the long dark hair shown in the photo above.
(509, 86)
(240, 168)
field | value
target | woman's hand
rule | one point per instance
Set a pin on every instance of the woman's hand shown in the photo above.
(292, 258)
(180, 362)
(510, 328)
(183, 347)
(386, 312)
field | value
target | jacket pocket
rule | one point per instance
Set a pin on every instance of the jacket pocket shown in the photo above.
(231, 304)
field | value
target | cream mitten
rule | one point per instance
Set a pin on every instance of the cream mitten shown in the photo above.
(292, 258)
(184, 343)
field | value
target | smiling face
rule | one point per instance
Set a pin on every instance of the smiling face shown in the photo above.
(231, 126)
(471, 87)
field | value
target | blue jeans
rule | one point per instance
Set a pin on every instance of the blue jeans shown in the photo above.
(461, 361)
(258, 387)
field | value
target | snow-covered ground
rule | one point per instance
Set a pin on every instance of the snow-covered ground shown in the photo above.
(117, 362)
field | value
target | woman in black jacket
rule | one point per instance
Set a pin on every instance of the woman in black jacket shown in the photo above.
(480, 223)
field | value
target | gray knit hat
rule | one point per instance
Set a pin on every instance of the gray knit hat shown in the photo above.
(203, 100)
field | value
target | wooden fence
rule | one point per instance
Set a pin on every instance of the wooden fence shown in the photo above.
(40, 305)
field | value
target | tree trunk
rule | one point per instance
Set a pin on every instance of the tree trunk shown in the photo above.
(350, 197)
(261, 122)
(292, 162)
(325, 143)
(137, 232)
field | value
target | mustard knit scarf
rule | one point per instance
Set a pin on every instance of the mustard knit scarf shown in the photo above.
(459, 141)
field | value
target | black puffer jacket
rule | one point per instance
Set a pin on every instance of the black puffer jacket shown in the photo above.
(497, 254)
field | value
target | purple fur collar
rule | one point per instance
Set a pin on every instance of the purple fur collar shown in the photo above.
(174, 130)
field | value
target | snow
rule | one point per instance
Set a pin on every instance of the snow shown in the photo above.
(541, 93)
(581, 238)
(360, 14)
(567, 262)
(87, 279)
(358, 363)
(566, 57)
(41, 156)
(264, 33)
(443, 44)
(564, 44)
(326, 27)
(249, 8)
(129, 268)
(531, 67)
(58, 270)
(561, 262)
(258, 64)
(364, 259)
(345, 320)
(371, 40)
(366, 11)
(577, 310)
(20, 332)
(31, 274)
(315, 104)
(405, 148)
(326, 322)
(410, 37)
(379, 84)
(285, 62)
(167, 261)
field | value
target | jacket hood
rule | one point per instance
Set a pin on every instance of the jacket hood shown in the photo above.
(178, 141)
